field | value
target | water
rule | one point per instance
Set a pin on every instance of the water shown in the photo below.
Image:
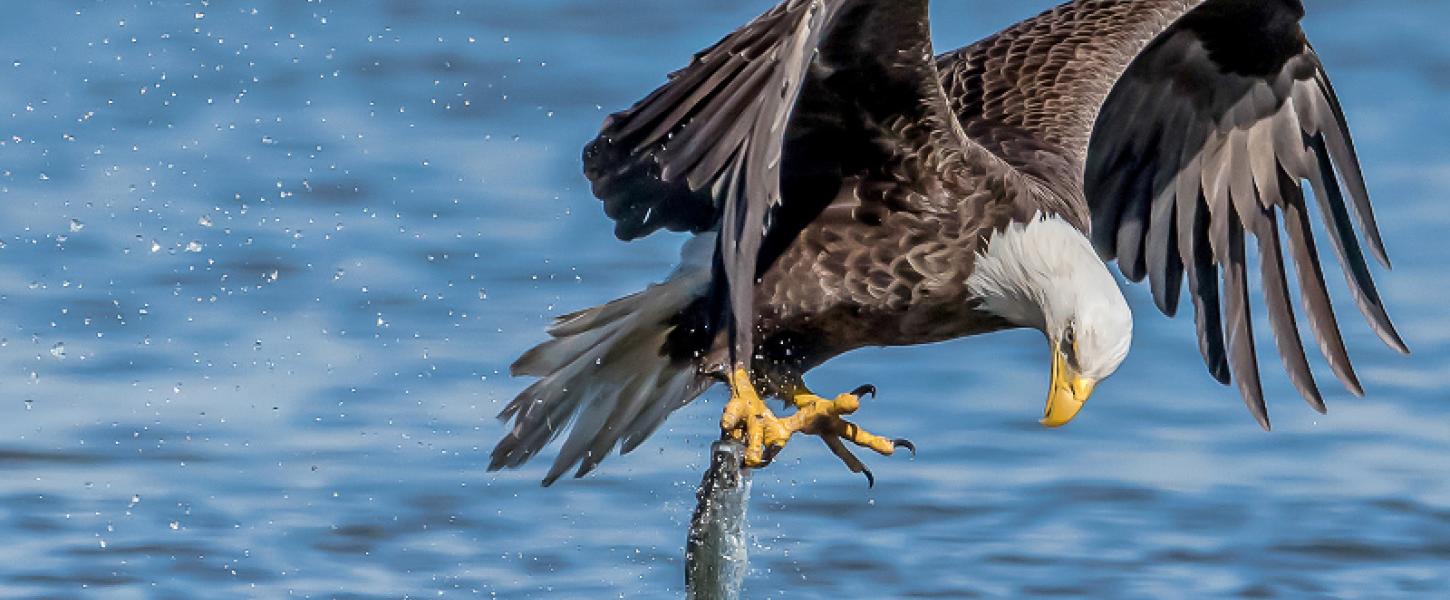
(263, 264)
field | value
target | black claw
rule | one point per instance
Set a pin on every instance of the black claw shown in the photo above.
(904, 443)
(870, 479)
(768, 456)
(863, 390)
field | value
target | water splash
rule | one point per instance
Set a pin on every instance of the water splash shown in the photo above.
(715, 556)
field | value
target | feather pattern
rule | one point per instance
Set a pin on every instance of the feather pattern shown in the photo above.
(605, 375)
(1217, 116)
(796, 86)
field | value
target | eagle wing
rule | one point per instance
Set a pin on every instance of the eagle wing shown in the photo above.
(831, 88)
(1190, 127)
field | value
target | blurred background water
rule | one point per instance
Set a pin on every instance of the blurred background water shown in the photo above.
(263, 265)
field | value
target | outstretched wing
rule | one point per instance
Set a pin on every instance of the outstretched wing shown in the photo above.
(832, 87)
(1211, 126)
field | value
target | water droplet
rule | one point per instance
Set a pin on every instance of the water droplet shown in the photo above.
(58, 350)
(204, 221)
(193, 246)
(76, 226)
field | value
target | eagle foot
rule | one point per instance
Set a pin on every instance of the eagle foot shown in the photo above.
(748, 420)
(823, 418)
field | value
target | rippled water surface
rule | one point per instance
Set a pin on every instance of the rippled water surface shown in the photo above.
(263, 265)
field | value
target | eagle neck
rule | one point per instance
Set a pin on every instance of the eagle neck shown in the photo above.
(1035, 273)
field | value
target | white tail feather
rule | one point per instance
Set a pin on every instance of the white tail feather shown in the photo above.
(605, 370)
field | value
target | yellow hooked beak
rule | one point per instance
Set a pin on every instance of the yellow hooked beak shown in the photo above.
(1068, 393)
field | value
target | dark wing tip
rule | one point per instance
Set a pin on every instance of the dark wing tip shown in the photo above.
(1315, 400)
(1392, 339)
(1219, 371)
(1253, 393)
(1167, 306)
(1263, 419)
(562, 464)
(630, 184)
(503, 454)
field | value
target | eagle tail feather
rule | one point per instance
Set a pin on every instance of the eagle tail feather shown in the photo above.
(606, 370)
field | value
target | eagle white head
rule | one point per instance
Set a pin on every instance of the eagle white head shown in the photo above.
(1044, 274)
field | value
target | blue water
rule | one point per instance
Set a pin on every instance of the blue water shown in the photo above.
(263, 265)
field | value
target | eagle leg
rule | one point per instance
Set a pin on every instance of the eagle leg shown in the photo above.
(748, 420)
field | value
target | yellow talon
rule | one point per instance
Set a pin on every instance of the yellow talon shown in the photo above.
(748, 420)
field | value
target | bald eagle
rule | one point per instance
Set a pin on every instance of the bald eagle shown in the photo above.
(847, 188)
